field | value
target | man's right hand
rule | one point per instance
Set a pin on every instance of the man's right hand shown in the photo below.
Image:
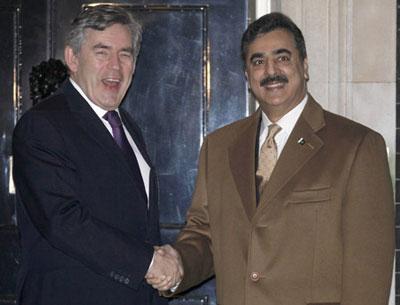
(166, 270)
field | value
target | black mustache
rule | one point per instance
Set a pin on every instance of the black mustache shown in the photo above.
(273, 78)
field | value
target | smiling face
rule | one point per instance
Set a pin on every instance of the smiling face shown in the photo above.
(276, 75)
(104, 65)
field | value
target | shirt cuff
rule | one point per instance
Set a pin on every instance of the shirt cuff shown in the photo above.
(152, 261)
(173, 289)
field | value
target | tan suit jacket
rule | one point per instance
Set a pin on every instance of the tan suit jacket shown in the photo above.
(323, 232)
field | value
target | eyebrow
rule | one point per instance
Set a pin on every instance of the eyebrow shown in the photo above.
(275, 52)
(282, 50)
(103, 46)
(129, 50)
(256, 55)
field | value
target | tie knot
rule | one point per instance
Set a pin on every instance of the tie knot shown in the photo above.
(273, 129)
(113, 118)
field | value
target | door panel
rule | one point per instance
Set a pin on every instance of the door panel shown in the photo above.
(188, 82)
(9, 98)
(9, 102)
(168, 98)
(172, 100)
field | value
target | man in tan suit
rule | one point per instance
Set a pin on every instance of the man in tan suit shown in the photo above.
(306, 220)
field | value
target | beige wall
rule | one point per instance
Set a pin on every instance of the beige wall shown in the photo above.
(352, 56)
(351, 47)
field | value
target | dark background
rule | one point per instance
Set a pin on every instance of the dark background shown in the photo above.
(188, 82)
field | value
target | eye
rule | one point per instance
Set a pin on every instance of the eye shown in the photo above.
(257, 61)
(101, 53)
(126, 55)
(284, 58)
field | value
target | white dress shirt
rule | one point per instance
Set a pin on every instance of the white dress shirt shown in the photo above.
(286, 122)
(144, 167)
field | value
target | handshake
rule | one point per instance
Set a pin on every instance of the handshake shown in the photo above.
(166, 270)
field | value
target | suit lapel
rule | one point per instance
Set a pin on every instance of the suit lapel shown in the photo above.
(152, 228)
(302, 145)
(94, 127)
(135, 133)
(242, 163)
(88, 119)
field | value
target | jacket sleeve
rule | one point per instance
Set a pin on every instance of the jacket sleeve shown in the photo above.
(47, 182)
(194, 242)
(368, 227)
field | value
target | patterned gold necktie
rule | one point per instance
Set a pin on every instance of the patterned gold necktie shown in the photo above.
(268, 157)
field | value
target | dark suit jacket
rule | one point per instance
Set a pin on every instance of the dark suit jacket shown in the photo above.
(87, 235)
(323, 232)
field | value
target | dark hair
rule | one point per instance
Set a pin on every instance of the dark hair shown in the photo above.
(269, 23)
(99, 18)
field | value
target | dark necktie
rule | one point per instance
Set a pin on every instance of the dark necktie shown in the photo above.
(120, 138)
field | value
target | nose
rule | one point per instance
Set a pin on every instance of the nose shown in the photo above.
(114, 62)
(270, 67)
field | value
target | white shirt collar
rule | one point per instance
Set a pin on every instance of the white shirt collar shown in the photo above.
(287, 123)
(98, 110)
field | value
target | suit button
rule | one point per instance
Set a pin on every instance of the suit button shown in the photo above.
(255, 276)
(126, 281)
(122, 279)
(116, 277)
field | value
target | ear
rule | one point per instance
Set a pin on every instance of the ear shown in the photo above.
(246, 75)
(71, 59)
(133, 67)
(305, 68)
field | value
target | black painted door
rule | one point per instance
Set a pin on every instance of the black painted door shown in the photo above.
(188, 82)
(10, 20)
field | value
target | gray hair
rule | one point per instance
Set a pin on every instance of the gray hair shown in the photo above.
(99, 18)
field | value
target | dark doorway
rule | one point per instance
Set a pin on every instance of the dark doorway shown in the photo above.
(188, 82)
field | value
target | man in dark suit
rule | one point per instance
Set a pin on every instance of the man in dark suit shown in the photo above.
(87, 191)
(294, 204)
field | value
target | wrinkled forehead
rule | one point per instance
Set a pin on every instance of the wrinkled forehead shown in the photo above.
(112, 34)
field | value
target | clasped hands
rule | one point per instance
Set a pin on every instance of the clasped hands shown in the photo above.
(166, 271)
